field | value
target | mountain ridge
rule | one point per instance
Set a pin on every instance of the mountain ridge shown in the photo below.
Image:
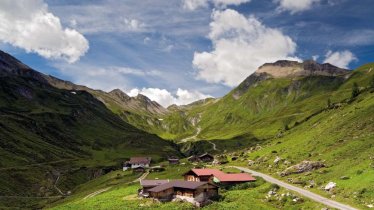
(286, 68)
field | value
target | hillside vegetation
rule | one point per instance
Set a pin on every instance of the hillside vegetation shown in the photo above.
(49, 135)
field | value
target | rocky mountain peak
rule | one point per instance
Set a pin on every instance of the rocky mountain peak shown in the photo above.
(120, 94)
(286, 68)
(9, 65)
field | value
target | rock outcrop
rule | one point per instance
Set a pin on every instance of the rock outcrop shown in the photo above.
(285, 68)
(302, 167)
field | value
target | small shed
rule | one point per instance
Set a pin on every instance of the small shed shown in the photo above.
(206, 157)
(193, 158)
(173, 161)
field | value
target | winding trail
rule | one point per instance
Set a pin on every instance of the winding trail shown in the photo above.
(214, 145)
(55, 186)
(143, 176)
(198, 130)
(37, 164)
(306, 193)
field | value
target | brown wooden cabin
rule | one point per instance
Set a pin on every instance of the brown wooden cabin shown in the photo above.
(149, 184)
(193, 192)
(216, 176)
(206, 157)
(173, 161)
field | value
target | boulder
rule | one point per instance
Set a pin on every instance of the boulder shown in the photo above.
(251, 162)
(330, 186)
(302, 167)
(277, 159)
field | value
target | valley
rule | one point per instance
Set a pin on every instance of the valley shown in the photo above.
(62, 140)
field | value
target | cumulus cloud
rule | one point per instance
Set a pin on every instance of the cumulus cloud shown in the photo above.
(295, 6)
(165, 98)
(240, 45)
(195, 4)
(29, 25)
(341, 59)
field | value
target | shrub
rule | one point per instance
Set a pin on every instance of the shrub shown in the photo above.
(355, 90)
(275, 186)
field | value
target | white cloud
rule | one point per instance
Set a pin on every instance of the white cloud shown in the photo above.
(341, 59)
(29, 25)
(295, 6)
(195, 4)
(240, 45)
(133, 24)
(165, 98)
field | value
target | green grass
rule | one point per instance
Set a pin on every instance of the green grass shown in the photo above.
(123, 196)
(52, 125)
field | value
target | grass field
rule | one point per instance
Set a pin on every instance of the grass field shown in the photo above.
(123, 196)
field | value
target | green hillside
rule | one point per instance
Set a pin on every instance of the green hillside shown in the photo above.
(121, 194)
(59, 138)
(49, 135)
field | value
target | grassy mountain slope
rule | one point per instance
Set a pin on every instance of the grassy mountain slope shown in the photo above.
(47, 133)
(342, 136)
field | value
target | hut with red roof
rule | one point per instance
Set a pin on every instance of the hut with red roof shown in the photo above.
(217, 176)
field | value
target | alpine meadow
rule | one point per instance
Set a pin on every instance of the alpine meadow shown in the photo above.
(187, 104)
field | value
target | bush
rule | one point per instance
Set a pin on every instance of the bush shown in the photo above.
(217, 198)
(275, 186)
(355, 90)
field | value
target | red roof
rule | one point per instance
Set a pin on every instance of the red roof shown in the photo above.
(206, 171)
(224, 177)
(240, 177)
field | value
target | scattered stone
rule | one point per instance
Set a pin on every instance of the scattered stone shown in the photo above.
(277, 159)
(251, 162)
(271, 192)
(330, 186)
(370, 206)
(344, 177)
(302, 167)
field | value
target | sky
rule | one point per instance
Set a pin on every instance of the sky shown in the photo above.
(179, 51)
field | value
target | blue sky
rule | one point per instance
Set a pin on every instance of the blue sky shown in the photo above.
(178, 51)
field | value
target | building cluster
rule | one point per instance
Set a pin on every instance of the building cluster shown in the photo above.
(199, 185)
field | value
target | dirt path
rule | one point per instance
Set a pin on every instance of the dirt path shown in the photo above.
(214, 145)
(198, 130)
(38, 164)
(96, 193)
(306, 193)
(55, 186)
(143, 176)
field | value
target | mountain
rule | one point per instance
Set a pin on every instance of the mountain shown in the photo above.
(285, 68)
(279, 122)
(285, 115)
(48, 133)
